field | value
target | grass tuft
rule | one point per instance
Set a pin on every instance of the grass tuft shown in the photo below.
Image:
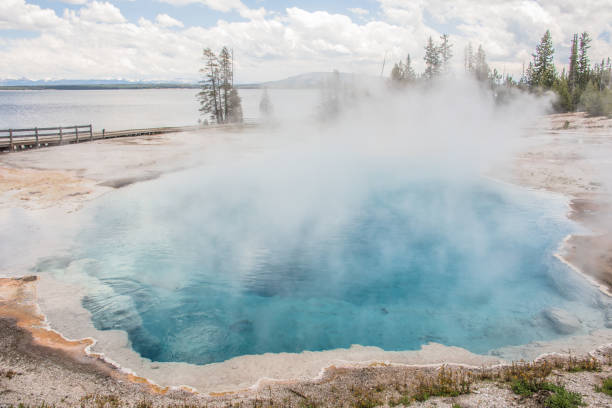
(367, 402)
(404, 400)
(606, 386)
(562, 398)
(8, 373)
(575, 365)
(524, 388)
(448, 383)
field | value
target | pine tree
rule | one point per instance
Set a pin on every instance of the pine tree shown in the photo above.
(573, 65)
(209, 95)
(583, 60)
(607, 75)
(468, 58)
(234, 112)
(265, 105)
(409, 74)
(218, 98)
(445, 53)
(495, 78)
(403, 73)
(481, 68)
(397, 73)
(331, 93)
(432, 60)
(225, 85)
(544, 73)
(476, 64)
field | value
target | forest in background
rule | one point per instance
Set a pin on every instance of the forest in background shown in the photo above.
(584, 86)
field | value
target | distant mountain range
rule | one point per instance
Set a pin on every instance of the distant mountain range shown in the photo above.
(303, 81)
(90, 84)
(68, 82)
(308, 81)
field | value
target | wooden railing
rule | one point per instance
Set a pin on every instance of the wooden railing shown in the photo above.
(21, 139)
(36, 137)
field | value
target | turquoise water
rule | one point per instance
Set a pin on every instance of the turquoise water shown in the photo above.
(217, 262)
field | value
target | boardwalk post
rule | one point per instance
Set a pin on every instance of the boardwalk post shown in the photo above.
(51, 136)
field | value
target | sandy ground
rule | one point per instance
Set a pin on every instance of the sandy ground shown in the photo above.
(571, 154)
(572, 159)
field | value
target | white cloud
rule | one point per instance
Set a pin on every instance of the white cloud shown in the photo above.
(165, 20)
(102, 12)
(273, 45)
(359, 11)
(17, 14)
(508, 29)
(73, 1)
(224, 6)
(220, 5)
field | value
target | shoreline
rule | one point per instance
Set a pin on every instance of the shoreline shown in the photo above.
(569, 173)
(603, 288)
(322, 371)
(575, 248)
(43, 334)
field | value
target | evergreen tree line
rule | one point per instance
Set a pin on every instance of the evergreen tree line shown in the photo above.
(582, 87)
(219, 100)
(437, 64)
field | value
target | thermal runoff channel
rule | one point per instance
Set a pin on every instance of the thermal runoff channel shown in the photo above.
(378, 229)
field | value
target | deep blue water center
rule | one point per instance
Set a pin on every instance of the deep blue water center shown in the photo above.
(209, 264)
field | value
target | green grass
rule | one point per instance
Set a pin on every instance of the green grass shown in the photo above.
(562, 398)
(448, 383)
(575, 365)
(606, 386)
(404, 400)
(524, 388)
(559, 398)
(529, 380)
(367, 403)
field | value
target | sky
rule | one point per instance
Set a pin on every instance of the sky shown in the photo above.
(162, 40)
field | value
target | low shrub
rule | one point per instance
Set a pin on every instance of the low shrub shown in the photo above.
(562, 398)
(606, 386)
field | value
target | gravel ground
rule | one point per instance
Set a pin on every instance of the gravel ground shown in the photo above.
(31, 374)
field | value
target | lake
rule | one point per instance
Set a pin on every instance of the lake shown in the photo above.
(132, 108)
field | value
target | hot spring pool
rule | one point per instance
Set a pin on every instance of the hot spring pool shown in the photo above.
(217, 262)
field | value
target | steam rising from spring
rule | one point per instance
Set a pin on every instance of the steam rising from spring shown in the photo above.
(367, 220)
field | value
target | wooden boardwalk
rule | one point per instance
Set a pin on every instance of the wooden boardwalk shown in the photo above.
(21, 139)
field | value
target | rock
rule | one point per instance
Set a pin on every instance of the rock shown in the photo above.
(562, 321)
